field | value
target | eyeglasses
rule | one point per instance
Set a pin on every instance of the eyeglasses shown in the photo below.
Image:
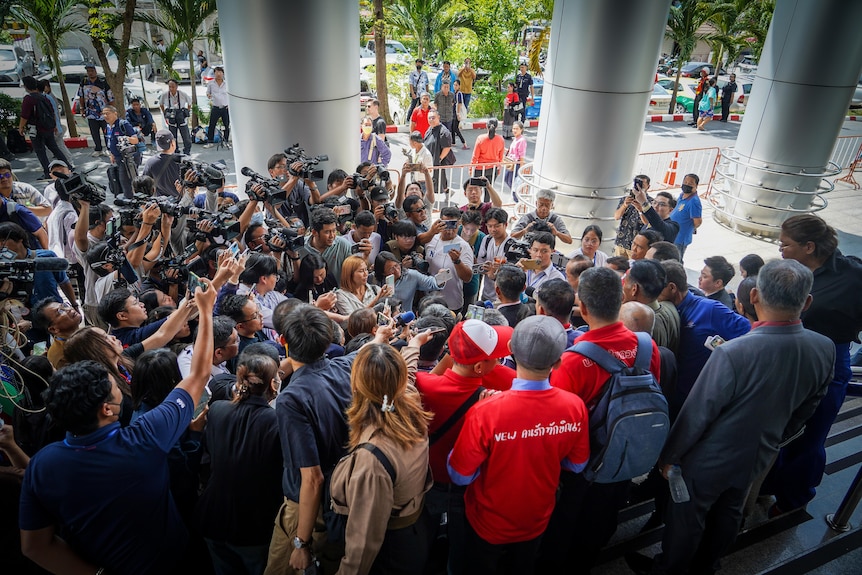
(5, 175)
(590, 241)
(660, 204)
(254, 316)
(417, 210)
(64, 308)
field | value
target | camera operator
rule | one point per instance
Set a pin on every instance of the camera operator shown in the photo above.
(176, 108)
(12, 211)
(164, 167)
(363, 239)
(300, 192)
(337, 184)
(123, 154)
(13, 246)
(89, 231)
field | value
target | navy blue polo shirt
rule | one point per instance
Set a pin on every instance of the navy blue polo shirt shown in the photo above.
(311, 421)
(132, 335)
(109, 491)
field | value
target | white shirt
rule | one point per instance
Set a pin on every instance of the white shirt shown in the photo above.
(437, 256)
(488, 252)
(59, 225)
(537, 278)
(218, 94)
(599, 259)
(184, 362)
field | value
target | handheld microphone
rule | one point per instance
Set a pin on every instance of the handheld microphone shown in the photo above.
(404, 318)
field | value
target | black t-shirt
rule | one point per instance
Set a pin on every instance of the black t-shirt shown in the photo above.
(437, 139)
(522, 86)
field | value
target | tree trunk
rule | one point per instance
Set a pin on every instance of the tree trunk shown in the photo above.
(672, 106)
(67, 106)
(380, 61)
(193, 82)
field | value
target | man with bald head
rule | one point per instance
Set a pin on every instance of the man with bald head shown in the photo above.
(637, 316)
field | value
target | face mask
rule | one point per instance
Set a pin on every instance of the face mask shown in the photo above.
(686, 189)
(257, 218)
(366, 130)
(418, 68)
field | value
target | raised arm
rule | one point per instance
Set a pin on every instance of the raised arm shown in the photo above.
(203, 350)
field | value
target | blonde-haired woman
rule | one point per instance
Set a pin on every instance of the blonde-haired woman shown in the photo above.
(387, 529)
(356, 293)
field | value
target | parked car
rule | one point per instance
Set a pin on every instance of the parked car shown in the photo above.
(856, 101)
(181, 67)
(532, 112)
(685, 94)
(740, 97)
(15, 63)
(132, 71)
(74, 57)
(659, 101)
(692, 69)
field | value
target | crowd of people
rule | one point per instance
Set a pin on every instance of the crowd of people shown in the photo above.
(333, 379)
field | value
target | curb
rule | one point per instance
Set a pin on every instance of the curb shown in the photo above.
(483, 124)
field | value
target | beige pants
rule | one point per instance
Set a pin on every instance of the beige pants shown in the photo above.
(281, 545)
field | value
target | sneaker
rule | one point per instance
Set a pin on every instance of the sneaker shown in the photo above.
(465, 147)
(208, 146)
(96, 153)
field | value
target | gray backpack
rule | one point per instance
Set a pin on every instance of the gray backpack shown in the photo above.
(629, 420)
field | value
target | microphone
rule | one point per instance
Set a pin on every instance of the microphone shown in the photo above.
(404, 318)
(49, 264)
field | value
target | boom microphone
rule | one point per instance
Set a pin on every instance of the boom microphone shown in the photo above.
(49, 264)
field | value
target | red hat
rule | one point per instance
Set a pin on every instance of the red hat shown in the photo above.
(473, 341)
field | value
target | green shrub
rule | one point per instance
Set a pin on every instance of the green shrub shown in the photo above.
(10, 112)
(486, 102)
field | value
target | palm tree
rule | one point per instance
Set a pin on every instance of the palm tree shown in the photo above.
(183, 20)
(51, 20)
(755, 25)
(683, 22)
(729, 35)
(380, 60)
(102, 26)
(425, 20)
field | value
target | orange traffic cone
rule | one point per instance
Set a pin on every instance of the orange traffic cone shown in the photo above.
(670, 175)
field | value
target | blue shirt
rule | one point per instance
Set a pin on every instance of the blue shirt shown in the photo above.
(311, 420)
(25, 218)
(132, 335)
(113, 505)
(438, 83)
(686, 210)
(120, 128)
(699, 319)
(45, 283)
(411, 281)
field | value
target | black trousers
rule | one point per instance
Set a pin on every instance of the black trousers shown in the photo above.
(215, 114)
(413, 103)
(44, 140)
(404, 551)
(184, 132)
(698, 533)
(725, 109)
(485, 558)
(99, 131)
(583, 521)
(695, 113)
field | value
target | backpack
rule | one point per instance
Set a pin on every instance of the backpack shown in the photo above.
(336, 523)
(43, 114)
(629, 420)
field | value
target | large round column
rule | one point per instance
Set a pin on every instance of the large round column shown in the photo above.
(600, 75)
(292, 73)
(804, 82)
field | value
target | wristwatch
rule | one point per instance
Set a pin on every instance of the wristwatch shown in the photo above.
(300, 544)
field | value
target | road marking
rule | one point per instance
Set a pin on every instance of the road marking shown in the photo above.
(693, 131)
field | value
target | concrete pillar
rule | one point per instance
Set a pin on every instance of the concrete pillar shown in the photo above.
(600, 75)
(804, 82)
(292, 73)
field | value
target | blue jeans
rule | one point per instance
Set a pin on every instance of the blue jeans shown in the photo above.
(681, 248)
(467, 99)
(233, 559)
